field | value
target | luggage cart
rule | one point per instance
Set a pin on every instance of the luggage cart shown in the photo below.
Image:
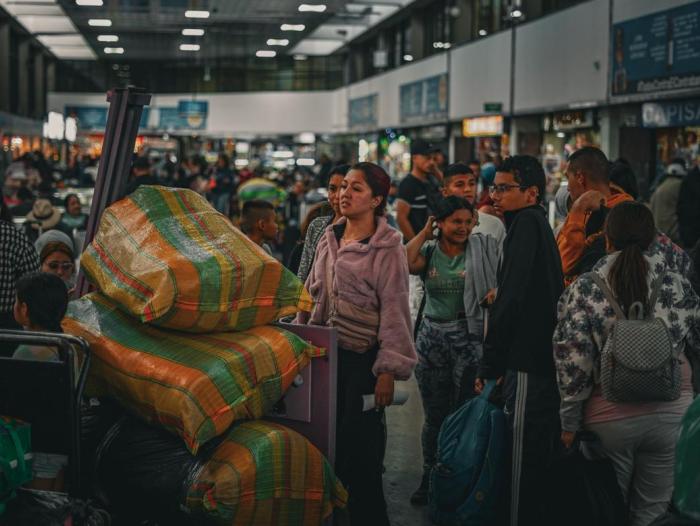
(48, 396)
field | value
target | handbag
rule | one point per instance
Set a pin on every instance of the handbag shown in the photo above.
(358, 328)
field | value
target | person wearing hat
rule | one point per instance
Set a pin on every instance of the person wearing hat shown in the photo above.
(44, 216)
(419, 191)
(57, 255)
(664, 201)
(417, 199)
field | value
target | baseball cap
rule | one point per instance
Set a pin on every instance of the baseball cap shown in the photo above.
(421, 147)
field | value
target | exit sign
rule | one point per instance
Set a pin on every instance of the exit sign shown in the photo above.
(493, 107)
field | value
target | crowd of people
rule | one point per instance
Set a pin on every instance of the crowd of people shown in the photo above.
(454, 274)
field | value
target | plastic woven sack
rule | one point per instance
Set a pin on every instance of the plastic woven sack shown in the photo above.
(686, 490)
(168, 258)
(264, 473)
(193, 385)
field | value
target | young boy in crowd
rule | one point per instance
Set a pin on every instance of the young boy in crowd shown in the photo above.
(42, 300)
(460, 181)
(518, 345)
(259, 223)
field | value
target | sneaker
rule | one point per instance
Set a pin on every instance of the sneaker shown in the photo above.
(420, 496)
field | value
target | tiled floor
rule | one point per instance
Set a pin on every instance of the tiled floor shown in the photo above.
(403, 461)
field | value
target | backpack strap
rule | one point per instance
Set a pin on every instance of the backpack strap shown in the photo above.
(608, 294)
(423, 276)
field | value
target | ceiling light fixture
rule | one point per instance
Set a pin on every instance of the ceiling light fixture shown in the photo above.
(300, 57)
(312, 8)
(89, 3)
(277, 42)
(483, 32)
(516, 13)
(190, 13)
(100, 22)
(191, 32)
(189, 47)
(292, 27)
(107, 38)
(265, 53)
(114, 50)
(408, 58)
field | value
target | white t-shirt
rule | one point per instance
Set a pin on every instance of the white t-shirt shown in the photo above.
(491, 226)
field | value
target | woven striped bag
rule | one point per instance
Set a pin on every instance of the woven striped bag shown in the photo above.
(193, 385)
(265, 474)
(168, 258)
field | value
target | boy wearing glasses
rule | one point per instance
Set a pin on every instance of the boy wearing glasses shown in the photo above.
(518, 345)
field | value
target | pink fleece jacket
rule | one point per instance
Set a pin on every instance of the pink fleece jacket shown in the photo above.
(372, 276)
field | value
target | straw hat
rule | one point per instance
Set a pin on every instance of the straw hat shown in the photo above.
(44, 213)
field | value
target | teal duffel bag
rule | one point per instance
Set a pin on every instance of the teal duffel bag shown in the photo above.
(467, 482)
(15, 457)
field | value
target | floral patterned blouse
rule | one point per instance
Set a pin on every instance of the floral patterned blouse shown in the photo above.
(585, 318)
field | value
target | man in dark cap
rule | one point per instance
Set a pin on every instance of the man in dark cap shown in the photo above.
(419, 191)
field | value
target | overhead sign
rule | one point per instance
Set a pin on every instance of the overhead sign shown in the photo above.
(493, 107)
(483, 126)
(193, 113)
(657, 52)
(362, 112)
(94, 118)
(670, 114)
(424, 101)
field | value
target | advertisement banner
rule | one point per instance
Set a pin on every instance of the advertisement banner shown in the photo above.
(362, 112)
(94, 118)
(671, 114)
(424, 100)
(194, 113)
(657, 52)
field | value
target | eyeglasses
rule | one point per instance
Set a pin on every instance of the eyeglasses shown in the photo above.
(65, 265)
(503, 188)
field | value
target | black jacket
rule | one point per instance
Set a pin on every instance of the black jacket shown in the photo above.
(689, 209)
(522, 319)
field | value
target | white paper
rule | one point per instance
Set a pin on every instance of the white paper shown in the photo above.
(400, 398)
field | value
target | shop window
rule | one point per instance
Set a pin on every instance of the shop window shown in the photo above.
(437, 27)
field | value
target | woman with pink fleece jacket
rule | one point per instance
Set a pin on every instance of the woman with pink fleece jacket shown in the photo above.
(364, 261)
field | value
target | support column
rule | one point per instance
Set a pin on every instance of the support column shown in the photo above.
(39, 85)
(22, 78)
(5, 77)
(417, 36)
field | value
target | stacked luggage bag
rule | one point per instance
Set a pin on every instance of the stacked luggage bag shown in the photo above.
(186, 356)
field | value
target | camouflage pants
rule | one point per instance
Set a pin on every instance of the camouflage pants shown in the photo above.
(446, 370)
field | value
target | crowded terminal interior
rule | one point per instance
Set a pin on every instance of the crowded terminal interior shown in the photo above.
(350, 262)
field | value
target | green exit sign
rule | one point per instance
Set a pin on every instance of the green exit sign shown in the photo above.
(493, 107)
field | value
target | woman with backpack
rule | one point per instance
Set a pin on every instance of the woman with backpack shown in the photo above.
(359, 283)
(459, 272)
(627, 335)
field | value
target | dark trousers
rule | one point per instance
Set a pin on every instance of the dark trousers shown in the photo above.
(532, 409)
(7, 321)
(360, 440)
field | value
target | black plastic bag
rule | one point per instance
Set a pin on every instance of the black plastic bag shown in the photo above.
(143, 472)
(49, 508)
(587, 492)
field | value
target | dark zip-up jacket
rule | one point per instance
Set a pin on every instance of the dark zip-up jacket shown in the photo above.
(522, 319)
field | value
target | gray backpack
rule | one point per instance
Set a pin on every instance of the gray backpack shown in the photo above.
(638, 362)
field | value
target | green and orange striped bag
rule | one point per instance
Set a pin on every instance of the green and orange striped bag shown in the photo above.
(165, 256)
(264, 473)
(193, 385)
